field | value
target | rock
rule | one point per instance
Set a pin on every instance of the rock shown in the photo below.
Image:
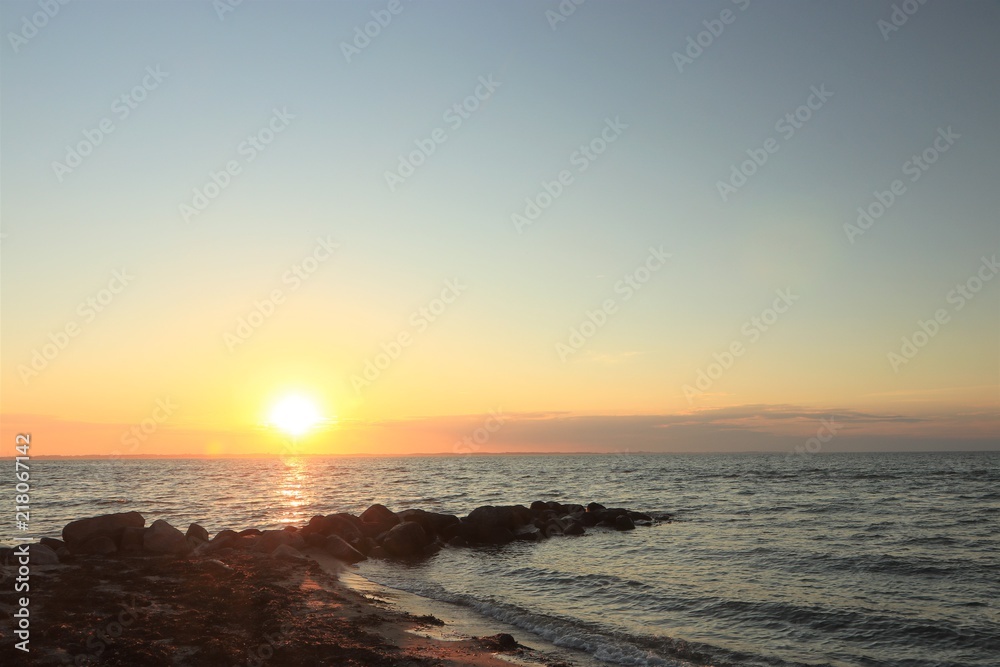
(75, 533)
(458, 542)
(341, 550)
(222, 540)
(317, 525)
(101, 545)
(405, 540)
(379, 514)
(132, 540)
(378, 553)
(622, 522)
(315, 539)
(595, 507)
(269, 540)
(433, 523)
(197, 532)
(244, 542)
(248, 531)
(574, 509)
(42, 554)
(590, 519)
(502, 642)
(538, 506)
(285, 552)
(52, 543)
(162, 538)
(365, 545)
(495, 525)
(573, 527)
(343, 528)
(529, 534)
(639, 516)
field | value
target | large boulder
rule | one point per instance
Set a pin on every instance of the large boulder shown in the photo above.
(40, 554)
(285, 552)
(270, 540)
(132, 539)
(197, 533)
(76, 533)
(379, 514)
(102, 545)
(344, 528)
(341, 550)
(495, 525)
(162, 538)
(407, 540)
(433, 523)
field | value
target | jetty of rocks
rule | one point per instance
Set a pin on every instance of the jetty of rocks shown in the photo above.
(378, 532)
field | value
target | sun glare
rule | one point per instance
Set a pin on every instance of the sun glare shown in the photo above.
(295, 415)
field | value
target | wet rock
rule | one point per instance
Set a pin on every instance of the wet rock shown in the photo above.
(132, 540)
(573, 527)
(248, 531)
(622, 522)
(269, 540)
(538, 506)
(378, 553)
(42, 554)
(379, 514)
(433, 523)
(341, 550)
(503, 643)
(595, 507)
(344, 528)
(528, 534)
(102, 545)
(196, 532)
(75, 533)
(406, 540)
(285, 552)
(52, 543)
(163, 538)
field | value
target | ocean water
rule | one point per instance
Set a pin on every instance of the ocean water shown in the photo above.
(838, 559)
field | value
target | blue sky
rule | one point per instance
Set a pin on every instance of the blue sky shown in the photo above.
(656, 185)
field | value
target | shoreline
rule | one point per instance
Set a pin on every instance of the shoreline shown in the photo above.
(254, 610)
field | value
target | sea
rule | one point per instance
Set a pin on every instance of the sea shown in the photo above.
(854, 559)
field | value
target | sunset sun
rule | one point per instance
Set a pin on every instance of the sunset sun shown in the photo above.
(295, 415)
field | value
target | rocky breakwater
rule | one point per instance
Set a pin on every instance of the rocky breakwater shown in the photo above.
(414, 533)
(378, 532)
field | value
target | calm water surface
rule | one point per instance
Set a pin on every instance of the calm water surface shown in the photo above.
(841, 559)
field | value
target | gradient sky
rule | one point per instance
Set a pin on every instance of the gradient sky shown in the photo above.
(495, 347)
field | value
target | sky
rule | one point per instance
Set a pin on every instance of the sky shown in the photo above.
(500, 226)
